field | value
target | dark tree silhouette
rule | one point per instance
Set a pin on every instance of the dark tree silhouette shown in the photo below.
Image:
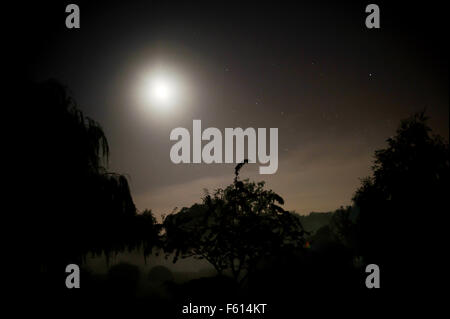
(343, 225)
(409, 184)
(234, 228)
(78, 206)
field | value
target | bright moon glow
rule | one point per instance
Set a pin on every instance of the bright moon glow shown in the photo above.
(162, 91)
(159, 91)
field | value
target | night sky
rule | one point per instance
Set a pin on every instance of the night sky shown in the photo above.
(334, 89)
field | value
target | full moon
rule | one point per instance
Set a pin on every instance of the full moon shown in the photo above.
(159, 89)
(160, 92)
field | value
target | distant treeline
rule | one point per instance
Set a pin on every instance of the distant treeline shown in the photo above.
(315, 220)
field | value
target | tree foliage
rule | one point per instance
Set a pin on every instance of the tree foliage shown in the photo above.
(79, 206)
(410, 181)
(234, 228)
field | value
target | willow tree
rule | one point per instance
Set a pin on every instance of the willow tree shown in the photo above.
(75, 205)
